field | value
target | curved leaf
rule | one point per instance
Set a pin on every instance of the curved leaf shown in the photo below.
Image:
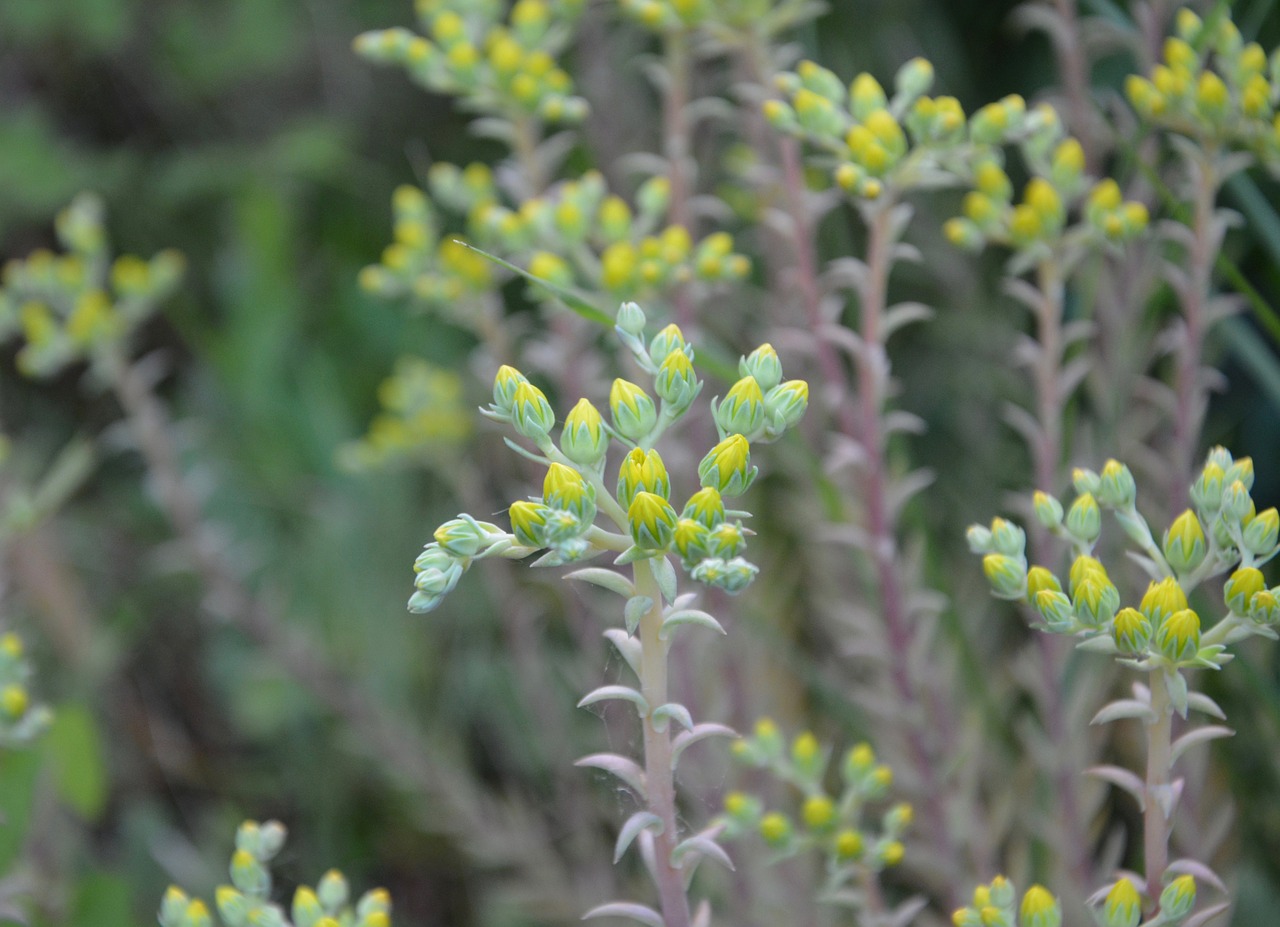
(689, 616)
(626, 693)
(630, 909)
(605, 579)
(641, 820)
(686, 739)
(627, 770)
(671, 711)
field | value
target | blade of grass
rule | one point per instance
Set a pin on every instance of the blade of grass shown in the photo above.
(574, 301)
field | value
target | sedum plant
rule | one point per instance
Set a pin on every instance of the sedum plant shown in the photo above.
(643, 531)
(246, 902)
(838, 826)
(1160, 635)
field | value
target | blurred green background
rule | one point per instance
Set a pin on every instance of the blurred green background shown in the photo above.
(247, 134)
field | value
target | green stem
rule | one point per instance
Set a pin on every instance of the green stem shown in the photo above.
(659, 775)
(676, 147)
(1155, 830)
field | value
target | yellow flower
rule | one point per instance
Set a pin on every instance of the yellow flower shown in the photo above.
(727, 466)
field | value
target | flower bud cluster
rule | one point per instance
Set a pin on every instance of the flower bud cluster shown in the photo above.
(79, 305)
(421, 418)
(502, 68)
(996, 905)
(760, 405)
(21, 720)
(440, 273)
(877, 140)
(247, 900)
(835, 824)
(1039, 220)
(442, 562)
(1213, 86)
(1221, 534)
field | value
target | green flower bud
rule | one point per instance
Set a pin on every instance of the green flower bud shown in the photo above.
(374, 901)
(438, 581)
(233, 907)
(306, 908)
(1116, 487)
(1068, 164)
(726, 540)
(1000, 893)
(762, 364)
(173, 906)
(271, 837)
(730, 575)
(531, 414)
(727, 467)
(653, 197)
(630, 319)
(1241, 587)
(529, 523)
(1178, 898)
(1236, 503)
(564, 488)
(742, 411)
(248, 874)
(1054, 607)
(1242, 470)
(1085, 567)
(332, 890)
(1095, 603)
(1178, 637)
(1084, 518)
(785, 405)
(1185, 545)
(197, 915)
(1007, 538)
(1040, 908)
(1086, 481)
(1162, 599)
(914, 78)
(775, 829)
(504, 387)
(464, 536)
(652, 521)
(848, 845)
(633, 412)
(1131, 631)
(1048, 510)
(1260, 533)
(1040, 578)
(744, 810)
(806, 755)
(818, 813)
(1264, 607)
(691, 541)
(1123, 905)
(979, 539)
(705, 507)
(1007, 575)
(642, 471)
(676, 383)
(583, 438)
(668, 340)
(866, 96)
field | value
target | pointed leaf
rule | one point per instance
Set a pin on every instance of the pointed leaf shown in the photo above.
(641, 820)
(1199, 736)
(671, 711)
(1125, 708)
(636, 912)
(702, 846)
(627, 770)
(605, 579)
(625, 693)
(1198, 701)
(665, 573)
(1122, 778)
(628, 646)
(571, 299)
(689, 616)
(686, 739)
(637, 605)
(1207, 915)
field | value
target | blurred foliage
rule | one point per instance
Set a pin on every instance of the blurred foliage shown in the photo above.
(247, 135)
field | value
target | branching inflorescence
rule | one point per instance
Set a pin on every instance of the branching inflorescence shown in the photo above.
(644, 531)
(1162, 636)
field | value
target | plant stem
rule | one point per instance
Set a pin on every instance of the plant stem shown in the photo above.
(1075, 79)
(659, 775)
(1191, 400)
(1047, 454)
(1155, 830)
(676, 146)
(872, 377)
